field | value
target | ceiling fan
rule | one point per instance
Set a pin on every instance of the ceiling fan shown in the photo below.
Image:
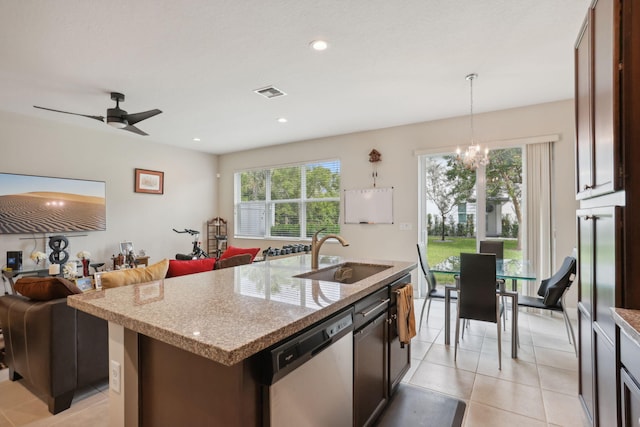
(117, 117)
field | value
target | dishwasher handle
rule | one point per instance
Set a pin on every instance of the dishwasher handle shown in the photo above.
(374, 309)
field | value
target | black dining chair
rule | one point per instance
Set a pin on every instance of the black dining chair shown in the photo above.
(492, 247)
(551, 294)
(477, 296)
(432, 286)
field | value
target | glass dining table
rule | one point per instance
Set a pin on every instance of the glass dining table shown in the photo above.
(506, 269)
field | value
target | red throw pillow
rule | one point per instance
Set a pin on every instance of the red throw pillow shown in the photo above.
(181, 268)
(233, 251)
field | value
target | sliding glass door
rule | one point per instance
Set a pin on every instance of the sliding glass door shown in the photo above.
(461, 206)
(504, 218)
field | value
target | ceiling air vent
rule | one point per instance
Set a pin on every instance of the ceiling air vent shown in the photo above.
(270, 92)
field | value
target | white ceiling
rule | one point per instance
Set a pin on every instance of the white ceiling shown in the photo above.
(389, 63)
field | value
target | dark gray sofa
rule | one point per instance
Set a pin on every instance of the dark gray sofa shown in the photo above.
(54, 347)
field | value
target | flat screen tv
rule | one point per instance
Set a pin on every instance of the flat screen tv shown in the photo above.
(40, 204)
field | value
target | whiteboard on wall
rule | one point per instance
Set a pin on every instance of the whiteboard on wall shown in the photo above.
(368, 206)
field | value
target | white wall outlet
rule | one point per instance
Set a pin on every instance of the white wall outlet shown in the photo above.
(114, 376)
(405, 226)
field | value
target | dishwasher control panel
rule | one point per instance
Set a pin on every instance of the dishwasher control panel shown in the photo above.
(298, 349)
(339, 325)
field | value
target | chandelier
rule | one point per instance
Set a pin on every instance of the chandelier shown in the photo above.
(473, 156)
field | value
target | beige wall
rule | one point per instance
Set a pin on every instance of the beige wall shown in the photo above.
(193, 194)
(41, 147)
(399, 169)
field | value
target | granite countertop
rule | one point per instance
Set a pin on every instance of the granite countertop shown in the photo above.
(629, 322)
(231, 314)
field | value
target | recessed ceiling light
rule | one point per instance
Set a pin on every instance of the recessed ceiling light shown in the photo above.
(196, 139)
(319, 45)
(282, 120)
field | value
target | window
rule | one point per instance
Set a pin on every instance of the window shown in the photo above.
(289, 202)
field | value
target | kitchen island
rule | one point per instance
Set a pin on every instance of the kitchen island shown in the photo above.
(188, 348)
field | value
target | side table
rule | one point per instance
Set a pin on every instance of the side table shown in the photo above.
(140, 260)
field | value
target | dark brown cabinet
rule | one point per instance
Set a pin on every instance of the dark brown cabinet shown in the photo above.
(379, 361)
(630, 400)
(607, 103)
(600, 250)
(629, 388)
(585, 365)
(370, 392)
(599, 273)
(604, 76)
(584, 135)
(605, 380)
(596, 79)
(399, 355)
(370, 363)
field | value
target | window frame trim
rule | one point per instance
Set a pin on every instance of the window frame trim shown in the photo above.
(302, 201)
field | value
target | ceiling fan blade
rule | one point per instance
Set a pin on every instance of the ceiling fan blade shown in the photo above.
(99, 118)
(135, 130)
(132, 119)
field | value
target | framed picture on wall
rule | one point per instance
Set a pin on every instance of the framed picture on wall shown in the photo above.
(126, 247)
(148, 181)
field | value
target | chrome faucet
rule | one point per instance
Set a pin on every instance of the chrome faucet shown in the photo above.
(316, 244)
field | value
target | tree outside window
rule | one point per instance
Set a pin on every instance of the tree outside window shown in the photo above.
(446, 190)
(503, 178)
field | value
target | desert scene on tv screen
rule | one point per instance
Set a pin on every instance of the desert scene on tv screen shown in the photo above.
(77, 206)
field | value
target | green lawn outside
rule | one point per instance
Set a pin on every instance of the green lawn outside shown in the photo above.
(438, 251)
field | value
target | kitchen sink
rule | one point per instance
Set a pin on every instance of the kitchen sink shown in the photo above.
(348, 272)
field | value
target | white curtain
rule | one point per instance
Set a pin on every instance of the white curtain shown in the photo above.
(539, 237)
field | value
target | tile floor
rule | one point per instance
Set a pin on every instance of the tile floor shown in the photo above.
(21, 406)
(538, 389)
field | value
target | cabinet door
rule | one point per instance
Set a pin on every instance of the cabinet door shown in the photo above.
(399, 357)
(630, 399)
(370, 390)
(585, 353)
(597, 58)
(599, 264)
(585, 259)
(584, 129)
(605, 99)
(599, 239)
(607, 256)
(629, 374)
(606, 389)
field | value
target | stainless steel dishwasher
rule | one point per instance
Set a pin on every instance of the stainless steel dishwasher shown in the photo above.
(310, 376)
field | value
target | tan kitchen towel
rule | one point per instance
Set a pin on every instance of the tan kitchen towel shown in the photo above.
(406, 316)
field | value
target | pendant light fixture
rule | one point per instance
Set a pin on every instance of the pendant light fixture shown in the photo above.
(473, 156)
